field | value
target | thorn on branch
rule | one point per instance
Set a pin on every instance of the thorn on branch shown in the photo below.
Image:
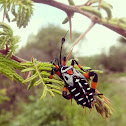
(32, 59)
(7, 48)
(70, 24)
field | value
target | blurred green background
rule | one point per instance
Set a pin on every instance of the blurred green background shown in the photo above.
(24, 108)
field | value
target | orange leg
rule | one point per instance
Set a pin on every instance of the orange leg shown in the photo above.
(94, 81)
(65, 95)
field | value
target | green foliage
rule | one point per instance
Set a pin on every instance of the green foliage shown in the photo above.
(7, 40)
(91, 10)
(71, 2)
(40, 74)
(65, 20)
(107, 7)
(57, 111)
(121, 22)
(7, 68)
(5, 118)
(40, 115)
(115, 61)
(21, 10)
(103, 5)
(3, 96)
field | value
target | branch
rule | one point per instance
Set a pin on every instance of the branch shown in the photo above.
(72, 9)
(79, 38)
(115, 28)
(13, 57)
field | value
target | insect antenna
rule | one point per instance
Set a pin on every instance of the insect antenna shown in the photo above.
(56, 60)
(63, 40)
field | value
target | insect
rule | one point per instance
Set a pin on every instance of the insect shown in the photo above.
(75, 82)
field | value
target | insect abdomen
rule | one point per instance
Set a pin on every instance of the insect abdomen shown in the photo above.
(81, 92)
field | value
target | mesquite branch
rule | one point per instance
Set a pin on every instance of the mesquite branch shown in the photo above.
(75, 9)
(13, 57)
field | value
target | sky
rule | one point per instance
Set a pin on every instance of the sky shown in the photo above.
(98, 39)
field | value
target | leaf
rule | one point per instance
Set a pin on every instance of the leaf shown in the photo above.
(44, 92)
(11, 63)
(31, 78)
(107, 7)
(51, 93)
(9, 72)
(44, 64)
(32, 82)
(65, 20)
(45, 68)
(122, 20)
(53, 86)
(7, 16)
(6, 73)
(38, 82)
(2, 33)
(27, 64)
(91, 10)
(97, 71)
(71, 2)
(56, 91)
(24, 10)
(18, 78)
(123, 26)
(28, 69)
(46, 75)
(46, 80)
(93, 1)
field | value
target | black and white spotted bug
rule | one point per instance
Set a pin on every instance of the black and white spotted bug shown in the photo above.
(75, 82)
(77, 86)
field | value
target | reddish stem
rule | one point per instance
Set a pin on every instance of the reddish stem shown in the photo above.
(13, 57)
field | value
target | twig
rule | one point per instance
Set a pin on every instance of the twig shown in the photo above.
(72, 9)
(13, 57)
(99, 6)
(79, 38)
(70, 25)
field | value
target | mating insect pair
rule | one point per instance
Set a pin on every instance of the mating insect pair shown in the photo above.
(75, 82)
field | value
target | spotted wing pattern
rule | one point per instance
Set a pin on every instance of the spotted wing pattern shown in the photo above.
(81, 92)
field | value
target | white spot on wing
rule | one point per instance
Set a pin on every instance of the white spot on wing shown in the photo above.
(91, 94)
(84, 103)
(88, 88)
(73, 89)
(77, 94)
(80, 84)
(91, 99)
(83, 90)
(80, 99)
(86, 83)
